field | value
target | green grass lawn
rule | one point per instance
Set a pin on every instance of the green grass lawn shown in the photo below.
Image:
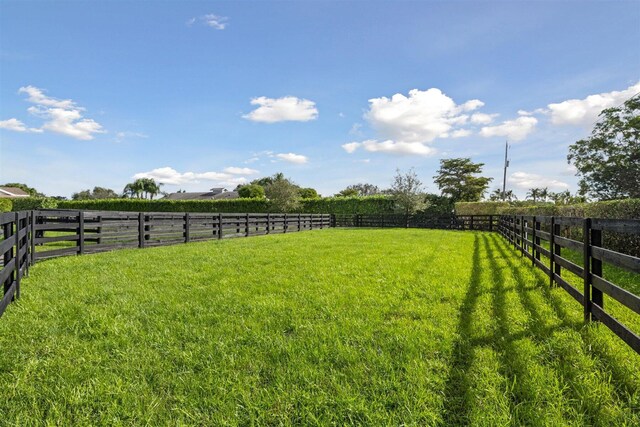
(329, 327)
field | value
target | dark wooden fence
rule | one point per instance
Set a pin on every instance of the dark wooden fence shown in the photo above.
(29, 236)
(555, 239)
(450, 222)
(15, 253)
(33, 235)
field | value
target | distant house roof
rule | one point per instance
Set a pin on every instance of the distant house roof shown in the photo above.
(214, 194)
(12, 192)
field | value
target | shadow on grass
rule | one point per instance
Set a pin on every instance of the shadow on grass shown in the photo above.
(540, 333)
(456, 411)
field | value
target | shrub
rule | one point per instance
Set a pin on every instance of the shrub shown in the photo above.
(29, 203)
(5, 205)
(251, 191)
(480, 208)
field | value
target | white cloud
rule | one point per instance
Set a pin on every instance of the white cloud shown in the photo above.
(61, 116)
(288, 108)
(168, 175)
(37, 96)
(389, 146)
(482, 118)
(298, 159)
(350, 147)
(525, 181)
(460, 133)
(17, 126)
(211, 20)
(240, 171)
(585, 111)
(407, 124)
(515, 130)
(420, 117)
(121, 136)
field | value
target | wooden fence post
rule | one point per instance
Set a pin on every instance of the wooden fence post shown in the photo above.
(268, 223)
(522, 244)
(285, 224)
(17, 257)
(246, 227)
(187, 224)
(490, 223)
(32, 255)
(99, 230)
(80, 242)
(596, 268)
(557, 250)
(533, 241)
(299, 223)
(219, 226)
(537, 225)
(7, 230)
(141, 231)
(552, 233)
(586, 270)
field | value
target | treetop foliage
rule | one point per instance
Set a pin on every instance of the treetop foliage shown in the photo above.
(608, 161)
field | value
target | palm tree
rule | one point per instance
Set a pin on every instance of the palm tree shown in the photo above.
(508, 196)
(151, 187)
(534, 193)
(544, 194)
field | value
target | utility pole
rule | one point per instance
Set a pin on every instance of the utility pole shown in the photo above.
(506, 165)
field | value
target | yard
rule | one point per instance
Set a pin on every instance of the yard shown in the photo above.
(329, 327)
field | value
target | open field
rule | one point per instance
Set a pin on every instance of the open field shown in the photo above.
(337, 326)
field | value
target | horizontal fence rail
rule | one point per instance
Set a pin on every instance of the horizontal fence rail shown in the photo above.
(29, 236)
(575, 245)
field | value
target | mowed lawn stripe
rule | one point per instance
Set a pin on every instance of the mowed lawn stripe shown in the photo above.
(375, 327)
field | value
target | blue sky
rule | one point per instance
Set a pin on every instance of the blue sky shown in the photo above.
(203, 94)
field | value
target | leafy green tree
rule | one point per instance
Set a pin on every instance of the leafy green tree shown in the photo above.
(608, 161)
(308, 193)
(283, 194)
(360, 190)
(438, 205)
(97, 193)
(265, 181)
(24, 187)
(457, 179)
(251, 191)
(348, 192)
(406, 190)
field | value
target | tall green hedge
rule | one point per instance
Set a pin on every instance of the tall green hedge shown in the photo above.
(143, 205)
(338, 205)
(621, 209)
(5, 205)
(348, 205)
